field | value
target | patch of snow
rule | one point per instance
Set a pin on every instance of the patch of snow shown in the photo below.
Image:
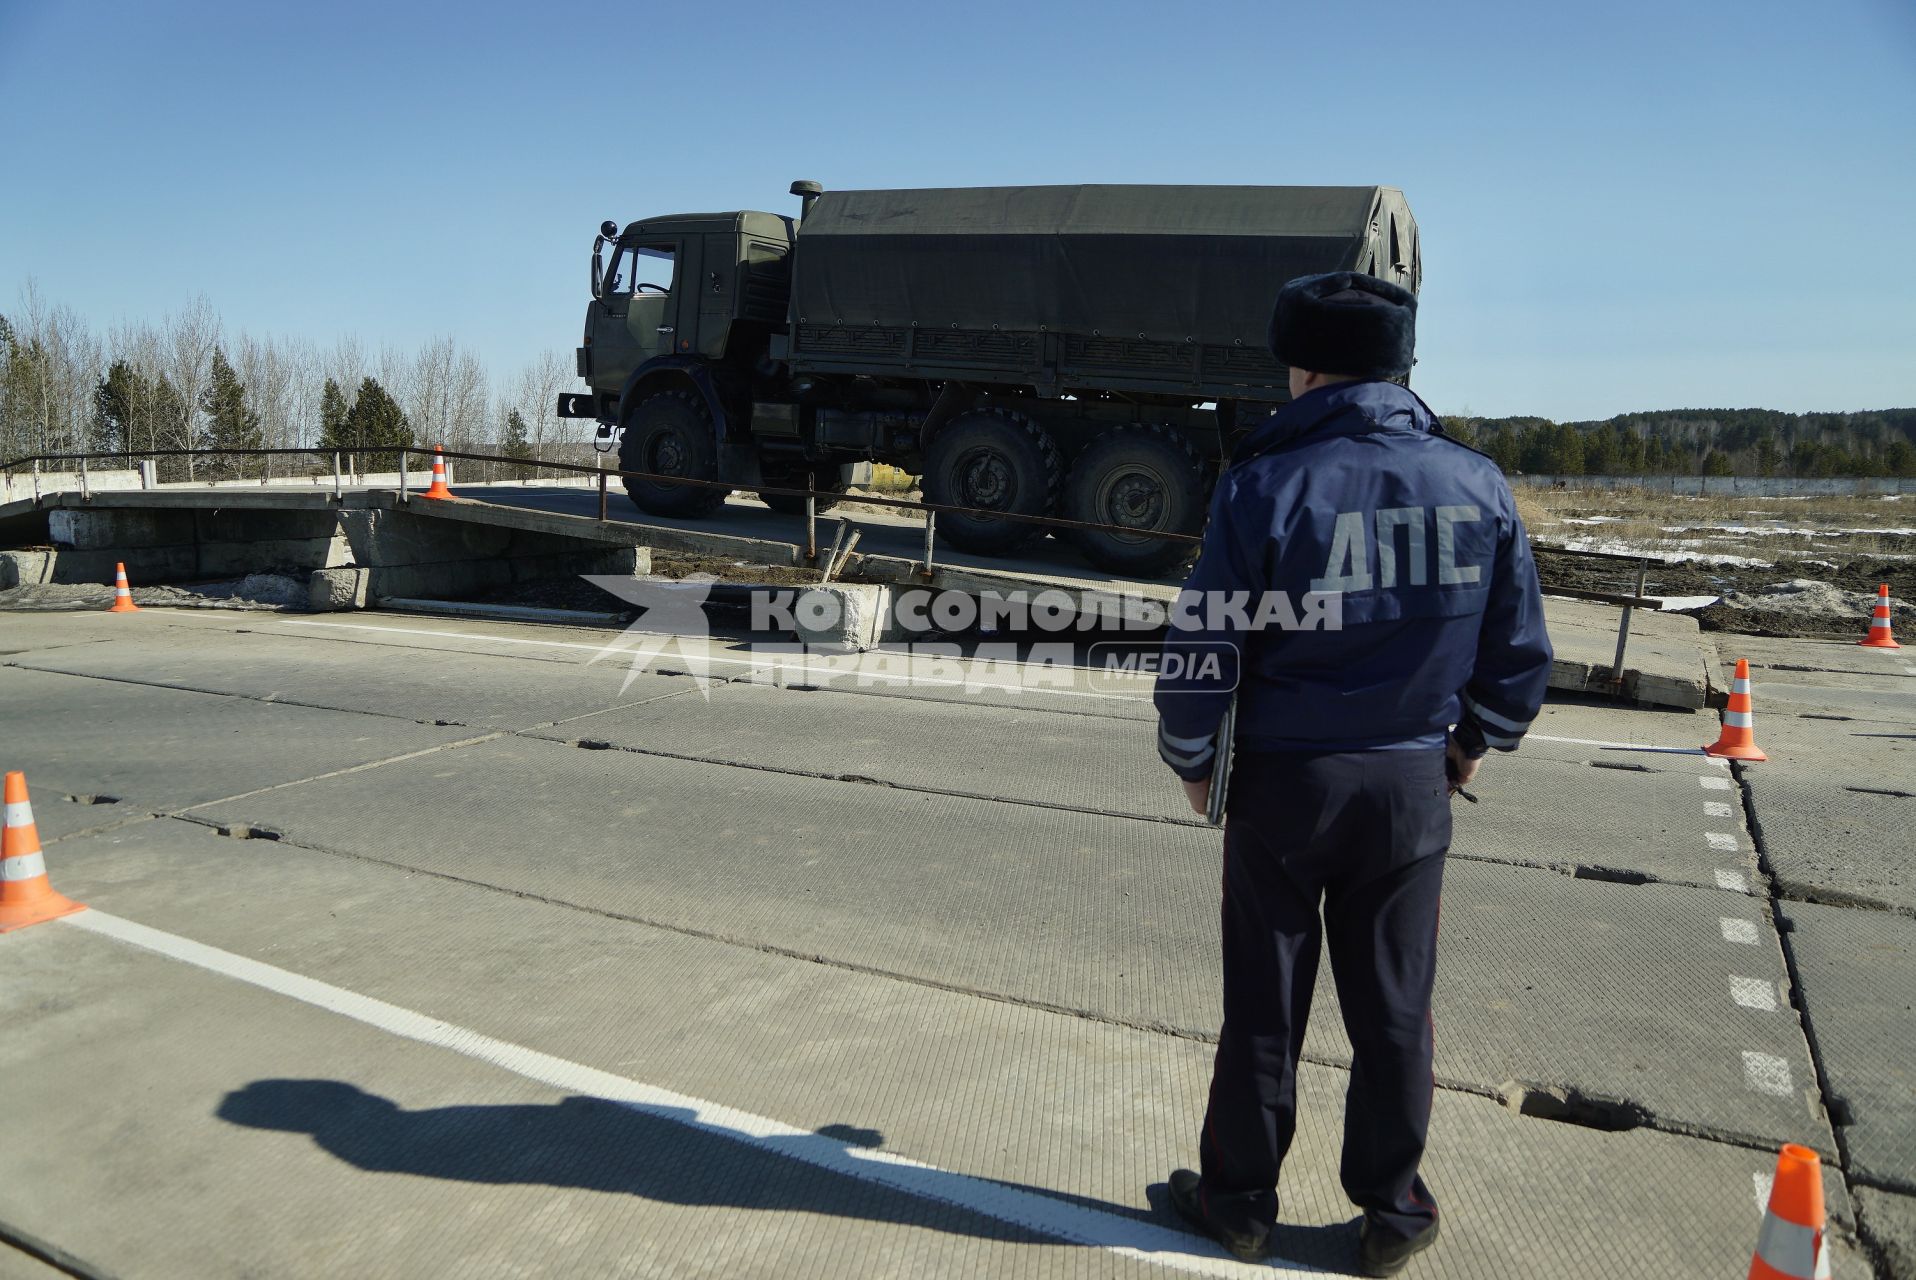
(1663, 554)
(1677, 604)
(1588, 519)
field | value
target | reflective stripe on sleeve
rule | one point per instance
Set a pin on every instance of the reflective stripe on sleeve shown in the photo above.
(1488, 716)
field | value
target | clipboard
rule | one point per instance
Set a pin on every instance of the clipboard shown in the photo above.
(1221, 765)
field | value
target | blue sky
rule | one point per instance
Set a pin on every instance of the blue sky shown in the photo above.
(1624, 206)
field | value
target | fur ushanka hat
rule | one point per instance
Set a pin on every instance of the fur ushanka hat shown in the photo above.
(1345, 323)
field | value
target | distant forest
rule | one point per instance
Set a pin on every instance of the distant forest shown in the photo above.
(1708, 442)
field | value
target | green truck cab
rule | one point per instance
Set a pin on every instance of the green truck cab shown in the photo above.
(1087, 352)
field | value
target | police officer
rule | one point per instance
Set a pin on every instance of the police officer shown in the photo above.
(1384, 592)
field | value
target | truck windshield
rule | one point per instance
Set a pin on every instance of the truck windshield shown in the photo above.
(641, 266)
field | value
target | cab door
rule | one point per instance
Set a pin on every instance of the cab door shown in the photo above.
(652, 316)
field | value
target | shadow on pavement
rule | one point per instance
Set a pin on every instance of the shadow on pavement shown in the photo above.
(670, 1155)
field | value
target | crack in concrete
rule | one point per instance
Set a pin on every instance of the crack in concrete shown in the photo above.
(1834, 1105)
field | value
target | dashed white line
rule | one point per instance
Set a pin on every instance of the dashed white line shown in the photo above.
(1078, 1224)
(1753, 993)
(1731, 880)
(1714, 784)
(1717, 809)
(1721, 840)
(1762, 1182)
(1735, 930)
(1762, 1072)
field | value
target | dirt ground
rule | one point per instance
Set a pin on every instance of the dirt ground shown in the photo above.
(1785, 567)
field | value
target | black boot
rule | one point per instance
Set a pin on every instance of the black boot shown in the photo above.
(1381, 1252)
(1184, 1196)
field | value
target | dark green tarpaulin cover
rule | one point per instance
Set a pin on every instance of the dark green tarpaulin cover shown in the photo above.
(1171, 263)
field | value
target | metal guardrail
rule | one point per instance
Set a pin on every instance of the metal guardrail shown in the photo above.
(931, 510)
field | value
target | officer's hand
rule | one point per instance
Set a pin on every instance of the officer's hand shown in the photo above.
(1461, 768)
(1199, 794)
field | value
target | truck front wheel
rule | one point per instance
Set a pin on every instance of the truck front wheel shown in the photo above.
(670, 434)
(992, 460)
(1140, 477)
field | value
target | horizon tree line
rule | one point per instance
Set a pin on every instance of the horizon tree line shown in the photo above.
(188, 383)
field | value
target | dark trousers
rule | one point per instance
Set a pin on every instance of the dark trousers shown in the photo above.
(1365, 833)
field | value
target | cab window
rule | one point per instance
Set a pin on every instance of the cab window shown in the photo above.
(646, 267)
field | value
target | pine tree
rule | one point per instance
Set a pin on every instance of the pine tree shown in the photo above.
(333, 410)
(230, 424)
(376, 420)
(122, 410)
(515, 444)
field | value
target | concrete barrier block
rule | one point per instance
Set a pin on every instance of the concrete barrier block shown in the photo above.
(223, 559)
(843, 617)
(25, 568)
(331, 590)
(96, 529)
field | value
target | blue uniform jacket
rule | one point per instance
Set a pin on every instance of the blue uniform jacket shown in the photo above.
(1384, 590)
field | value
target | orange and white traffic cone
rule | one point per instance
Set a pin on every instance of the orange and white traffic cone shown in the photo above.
(26, 897)
(122, 594)
(1790, 1245)
(1879, 636)
(1738, 739)
(438, 487)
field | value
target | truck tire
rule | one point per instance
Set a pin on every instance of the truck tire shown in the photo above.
(998, 461)
(1142, 477)
(828, 479)
(670, 434)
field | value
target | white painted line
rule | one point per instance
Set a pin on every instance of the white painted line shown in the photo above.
(1762, 1182)
(1717, 809)
(1714, 784)
(1762, 1072)
(1721, 840)
(1076, 1224)
(1732, 880)
(1735, 930)
(1617, 746)
(1753, 993)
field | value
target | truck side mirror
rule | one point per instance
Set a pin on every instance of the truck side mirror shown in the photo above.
(598, 267)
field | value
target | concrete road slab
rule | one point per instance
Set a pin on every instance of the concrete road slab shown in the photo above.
(1619, 991)
(1667, 661)
(16, 1264)
(1799, 659)
(59, 815)
(1083, 760)
(1888, 1222)
(1639, 812)
(1827, 842)
(165, 748)
(1651, 996)
(396, 1153)
(1858, 974)
(494, 692)
(1898, 704)
(1609, 815)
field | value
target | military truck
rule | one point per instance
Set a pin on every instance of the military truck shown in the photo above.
(1081, 351)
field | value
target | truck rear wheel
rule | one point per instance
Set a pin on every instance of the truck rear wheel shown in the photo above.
(828, 479)
(1141, 477)
(994, 460)
(670, 434)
